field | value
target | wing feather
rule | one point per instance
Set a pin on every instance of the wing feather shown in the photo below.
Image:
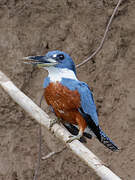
(87, 102)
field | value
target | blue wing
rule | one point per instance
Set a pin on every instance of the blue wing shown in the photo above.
(88, 111)
(87, 102)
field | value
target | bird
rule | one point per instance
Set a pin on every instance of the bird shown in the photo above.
(70, 99)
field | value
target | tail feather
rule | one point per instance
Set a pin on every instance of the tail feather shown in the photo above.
(107, 141)
(102, 137)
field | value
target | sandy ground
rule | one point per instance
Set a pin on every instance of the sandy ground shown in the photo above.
(34, 27)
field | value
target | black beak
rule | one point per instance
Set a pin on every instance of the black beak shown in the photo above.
(40, 61)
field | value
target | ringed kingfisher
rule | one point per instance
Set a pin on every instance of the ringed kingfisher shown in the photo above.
(70, 99)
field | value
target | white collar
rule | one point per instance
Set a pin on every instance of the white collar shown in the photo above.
(56, 74)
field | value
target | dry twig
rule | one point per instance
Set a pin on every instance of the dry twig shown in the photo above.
(53, 153)
(39, 151)
(103, 39)
(40, 142)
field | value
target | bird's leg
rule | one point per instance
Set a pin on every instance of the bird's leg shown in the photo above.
(54, 121)
(82, 125)
(72, 138)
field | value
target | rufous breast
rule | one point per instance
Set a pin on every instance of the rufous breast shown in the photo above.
(64, 101)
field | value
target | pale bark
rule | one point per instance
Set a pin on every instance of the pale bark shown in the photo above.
(41, 117)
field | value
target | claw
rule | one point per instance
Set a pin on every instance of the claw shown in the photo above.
(53, 121)
(72, 138)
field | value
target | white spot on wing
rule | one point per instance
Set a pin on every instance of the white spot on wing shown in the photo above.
(54, 55)
(60, 111)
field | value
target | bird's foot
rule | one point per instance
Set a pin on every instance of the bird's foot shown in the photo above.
(53, 121)
(72, 138)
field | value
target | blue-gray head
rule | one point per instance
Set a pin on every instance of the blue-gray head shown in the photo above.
(55, 58)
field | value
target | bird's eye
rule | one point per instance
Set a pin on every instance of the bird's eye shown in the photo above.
(60, 56)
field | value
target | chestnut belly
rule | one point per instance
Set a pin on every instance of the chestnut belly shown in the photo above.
(64, 101)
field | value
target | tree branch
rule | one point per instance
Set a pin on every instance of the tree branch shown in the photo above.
(41, 117)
